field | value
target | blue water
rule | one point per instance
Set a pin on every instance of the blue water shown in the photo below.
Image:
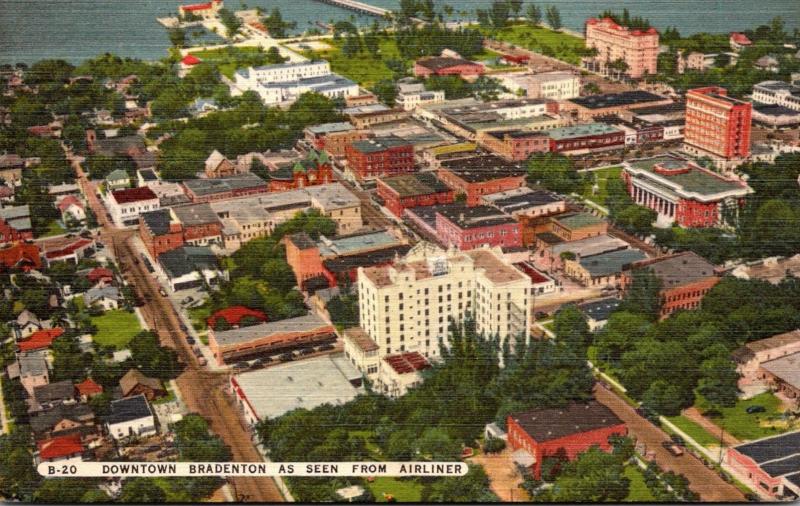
(78, 29)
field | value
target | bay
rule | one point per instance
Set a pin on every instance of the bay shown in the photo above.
(74, 30)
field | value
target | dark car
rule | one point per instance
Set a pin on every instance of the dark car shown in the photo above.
(677, 440)
(306, 351)
(183, 327)
(755, 409)
(241, 365)
(326, 347)
(541, 315)
(286, 357)
(190, 340)
(673, 448)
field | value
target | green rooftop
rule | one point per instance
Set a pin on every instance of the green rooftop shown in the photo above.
(578, 220)
(572, 132)
(694, 180)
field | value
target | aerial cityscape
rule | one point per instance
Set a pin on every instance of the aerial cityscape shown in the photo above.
(561, 252)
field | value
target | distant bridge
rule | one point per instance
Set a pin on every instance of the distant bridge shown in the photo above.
(360, 7)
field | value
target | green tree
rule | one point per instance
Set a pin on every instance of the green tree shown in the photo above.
(555, 172)
(177, 37)
(473, 487)
(570, 327)
(534, 14)
(718, 384)
(643, 296)
(386, 91)
(499, 12)
(230, 21)
(276, 25)
(142, 490)
(595, 476)
(553, 17)
(437, 445)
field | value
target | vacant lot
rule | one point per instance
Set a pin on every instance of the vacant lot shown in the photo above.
(116, 328)
(559, 45)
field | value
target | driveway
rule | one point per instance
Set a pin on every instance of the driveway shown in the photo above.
(504, 478)
(702, 480)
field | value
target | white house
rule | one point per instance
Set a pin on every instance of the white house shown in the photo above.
(106, 297)
(131, 417)
(117, 180)
(190, 267)
(125, 206)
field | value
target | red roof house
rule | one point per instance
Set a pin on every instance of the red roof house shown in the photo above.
(739, 40)
(88, 388)
(234, 314)
(21, 256)
(60, 448)
(100, 274)
(191, 59)
(40, 339)
(133, 195)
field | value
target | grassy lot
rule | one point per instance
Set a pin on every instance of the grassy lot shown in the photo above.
(695, 431)
(601, 177)
(559, 45)
(116, 328)
(198, 315)
(402, 490)
(230, 58)
(744, 426)
(167, 398)
(362, 68)
(53, 228)
(638, 489)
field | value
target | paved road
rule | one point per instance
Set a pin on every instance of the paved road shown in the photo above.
(702, 480)
(199, 388)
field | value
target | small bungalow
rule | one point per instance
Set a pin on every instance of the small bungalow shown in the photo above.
(135, 383)
(117, 180)
(105, 297)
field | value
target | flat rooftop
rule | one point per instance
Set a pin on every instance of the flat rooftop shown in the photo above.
(554, 423)
(601, 309)
(625, 98)
(577, 131)
(309, 383)
(306, 323)
(478, 169)
(611, 262)
(475, 217)
(590, 245)
(494, 269)
(420, 183)
(682, 269)
(786, 368)
(328, 128)
(356, 243)
(378, 144)
(195, 214)
(224, 184)
(776, 455)
(524, 200)
(694, 179)
(575, 221)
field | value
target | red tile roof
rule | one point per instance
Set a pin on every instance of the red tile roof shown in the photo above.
(69, 249)
(234, 314)
(88, 387)
(198, 7)
(40, 339)
(405, 363)
(532, 273)
(133, 195)
(12, 256)
(68, 201)
(99, 273)
(740, 39)
(191, 59)
(59, 447)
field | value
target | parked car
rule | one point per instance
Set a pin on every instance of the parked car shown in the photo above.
(190, 340)
(286, 357)
(541, 315)
(326, 347)
(673, 448)
(241, 365)
(677, 440)
(306, 351)
(755, 409)
(162, 292)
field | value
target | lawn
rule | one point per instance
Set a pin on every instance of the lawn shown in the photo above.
(407, 490)
(362, 68)
(116, 328)
(744, 426)
(696, 432)
(601, 178)
(53, 228)
(562, 46)
(228, 59)
(167, 398)
(638, 491)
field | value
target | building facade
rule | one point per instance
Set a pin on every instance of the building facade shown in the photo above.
(637, 48)
(125, 206)
(384, 156)
(717, 125)
(412, 190)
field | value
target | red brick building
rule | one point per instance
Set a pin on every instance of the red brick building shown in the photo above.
(717, 125)
(168, 229)
(683, 192)
(446, 66)
(564, 432)
(471, 227)
(313, 170)
(159, 232)
(413, 190)
(384, 156)
(334, 137)
(15, 224)
(685, 279)
(514, 145)
(481, 175)
(224, 188)
(588, 138)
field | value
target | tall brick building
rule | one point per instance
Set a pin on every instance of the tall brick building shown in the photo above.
(481, 175)
(717, 125)
(413, 190)
(638, 48)
(384, 156)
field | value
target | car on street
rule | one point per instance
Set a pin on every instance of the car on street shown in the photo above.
(672, 448)
(241, 365)
(190, 340)
(286, 357)
(183, 327)
(162, 292)
(677, 440)
(326, 347)
(755, 409)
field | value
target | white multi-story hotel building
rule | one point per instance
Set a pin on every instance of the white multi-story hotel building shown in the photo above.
(282, 72)
(777, 93)
(558, 85)
(285, 82)
(407, 307)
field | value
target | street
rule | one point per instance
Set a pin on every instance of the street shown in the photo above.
(704, 481)
(200, 389)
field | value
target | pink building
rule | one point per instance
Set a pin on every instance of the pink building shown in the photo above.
(638, 48)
